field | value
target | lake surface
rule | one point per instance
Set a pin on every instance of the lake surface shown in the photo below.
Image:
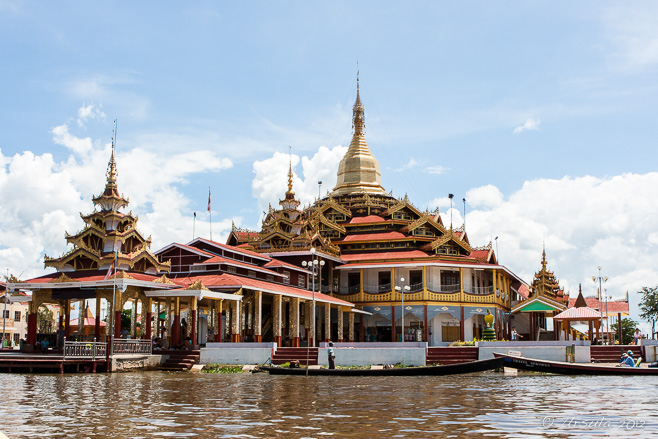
(160, 404)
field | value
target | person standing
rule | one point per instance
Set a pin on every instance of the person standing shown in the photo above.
(637, 336)
(331, 356)
(515, 335)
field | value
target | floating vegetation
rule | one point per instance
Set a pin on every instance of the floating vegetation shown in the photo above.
(222, 368)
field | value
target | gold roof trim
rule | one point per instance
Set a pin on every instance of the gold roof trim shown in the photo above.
(198, 285)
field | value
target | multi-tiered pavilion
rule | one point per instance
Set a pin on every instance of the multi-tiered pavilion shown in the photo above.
(383, 252)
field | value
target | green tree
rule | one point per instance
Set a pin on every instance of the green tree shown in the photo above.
(125, 319)
(628, 326)
(649, 307)
(45, 320)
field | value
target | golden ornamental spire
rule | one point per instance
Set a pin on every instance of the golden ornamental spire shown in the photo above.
(358, 171)
(112, 169)
(358, 114)
(290, 191)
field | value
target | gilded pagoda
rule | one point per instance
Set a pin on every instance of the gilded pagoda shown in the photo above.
(379, 247)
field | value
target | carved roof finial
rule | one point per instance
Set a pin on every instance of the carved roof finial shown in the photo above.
(112, 165)
(290, 191)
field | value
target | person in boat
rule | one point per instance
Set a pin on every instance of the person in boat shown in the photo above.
(331, 356)
(627, 360)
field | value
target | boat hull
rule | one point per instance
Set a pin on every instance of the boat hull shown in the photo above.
(450, 369)
(561, 368)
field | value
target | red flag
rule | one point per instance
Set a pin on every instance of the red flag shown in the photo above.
(109, 271)
(208, 199)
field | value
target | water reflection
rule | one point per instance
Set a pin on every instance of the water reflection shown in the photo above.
(156, 404)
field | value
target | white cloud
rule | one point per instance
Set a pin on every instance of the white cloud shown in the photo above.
(87, 112)
(41, 197)
(584, 222)
(270, 182)
(484, 196)
(529, 124)
(436, 169)
(634, 35)
(61, 136)
(412, 163)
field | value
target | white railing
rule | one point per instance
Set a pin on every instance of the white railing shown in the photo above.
(444, 288)
(350, 290)
(480, 290)
(84, 349)
(132, 346)
(376, 289)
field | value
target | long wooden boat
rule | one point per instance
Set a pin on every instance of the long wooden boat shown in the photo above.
(563, 368)
(448, 369)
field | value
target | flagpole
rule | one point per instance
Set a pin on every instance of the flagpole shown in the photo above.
(193, 226)
(210, 212)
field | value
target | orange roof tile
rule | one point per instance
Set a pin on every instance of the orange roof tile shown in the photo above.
(226, 280)
(386, 236)
(367, 219)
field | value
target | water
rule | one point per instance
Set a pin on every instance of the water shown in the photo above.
(158, 404)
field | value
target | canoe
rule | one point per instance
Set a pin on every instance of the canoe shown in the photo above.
(448, 369)
(562, 368)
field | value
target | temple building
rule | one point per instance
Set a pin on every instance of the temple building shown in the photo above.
(391, 259)
(203, 290)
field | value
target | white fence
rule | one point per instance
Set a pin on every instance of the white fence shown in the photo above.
(84, 349)
(132, 346)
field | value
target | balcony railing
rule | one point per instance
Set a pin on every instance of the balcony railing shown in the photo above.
(84, 349)
(132, 346)
(480, 290)
(444, 288)
(350, 290)
(414, 288)
(376, 289)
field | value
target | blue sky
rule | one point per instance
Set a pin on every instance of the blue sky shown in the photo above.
(540, 114)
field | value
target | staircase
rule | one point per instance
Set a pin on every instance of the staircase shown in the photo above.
(305, 356)
(612, 353)
(180, 360)
(451, 355)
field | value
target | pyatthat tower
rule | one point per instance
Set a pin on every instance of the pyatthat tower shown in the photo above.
(106, 231)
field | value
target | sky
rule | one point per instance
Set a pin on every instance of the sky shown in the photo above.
(541, 115)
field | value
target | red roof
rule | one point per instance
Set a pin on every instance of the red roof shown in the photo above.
(279, 263)
(386, 236)
(231, 248)
(524, 291)
(578, 313)
(483, 254)
(613, 306)
(230, 281)
(223, 260)
(367, 219)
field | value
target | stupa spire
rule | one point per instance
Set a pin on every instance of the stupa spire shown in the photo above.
(359, 169)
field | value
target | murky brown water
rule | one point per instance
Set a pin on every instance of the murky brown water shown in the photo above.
(157, 404)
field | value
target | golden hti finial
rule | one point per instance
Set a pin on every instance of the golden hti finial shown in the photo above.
(358, 117)
(290, 193)
(112, 165)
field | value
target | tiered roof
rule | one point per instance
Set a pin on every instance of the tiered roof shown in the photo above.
(359, 221)
(106, 231)
(545, 283)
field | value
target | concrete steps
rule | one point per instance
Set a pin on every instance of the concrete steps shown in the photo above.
(612, 353)
(451, 355)
(303, 355)
(180, 360)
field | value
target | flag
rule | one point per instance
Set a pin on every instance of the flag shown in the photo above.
(194, 214)
(109, 271)
(208, 199)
